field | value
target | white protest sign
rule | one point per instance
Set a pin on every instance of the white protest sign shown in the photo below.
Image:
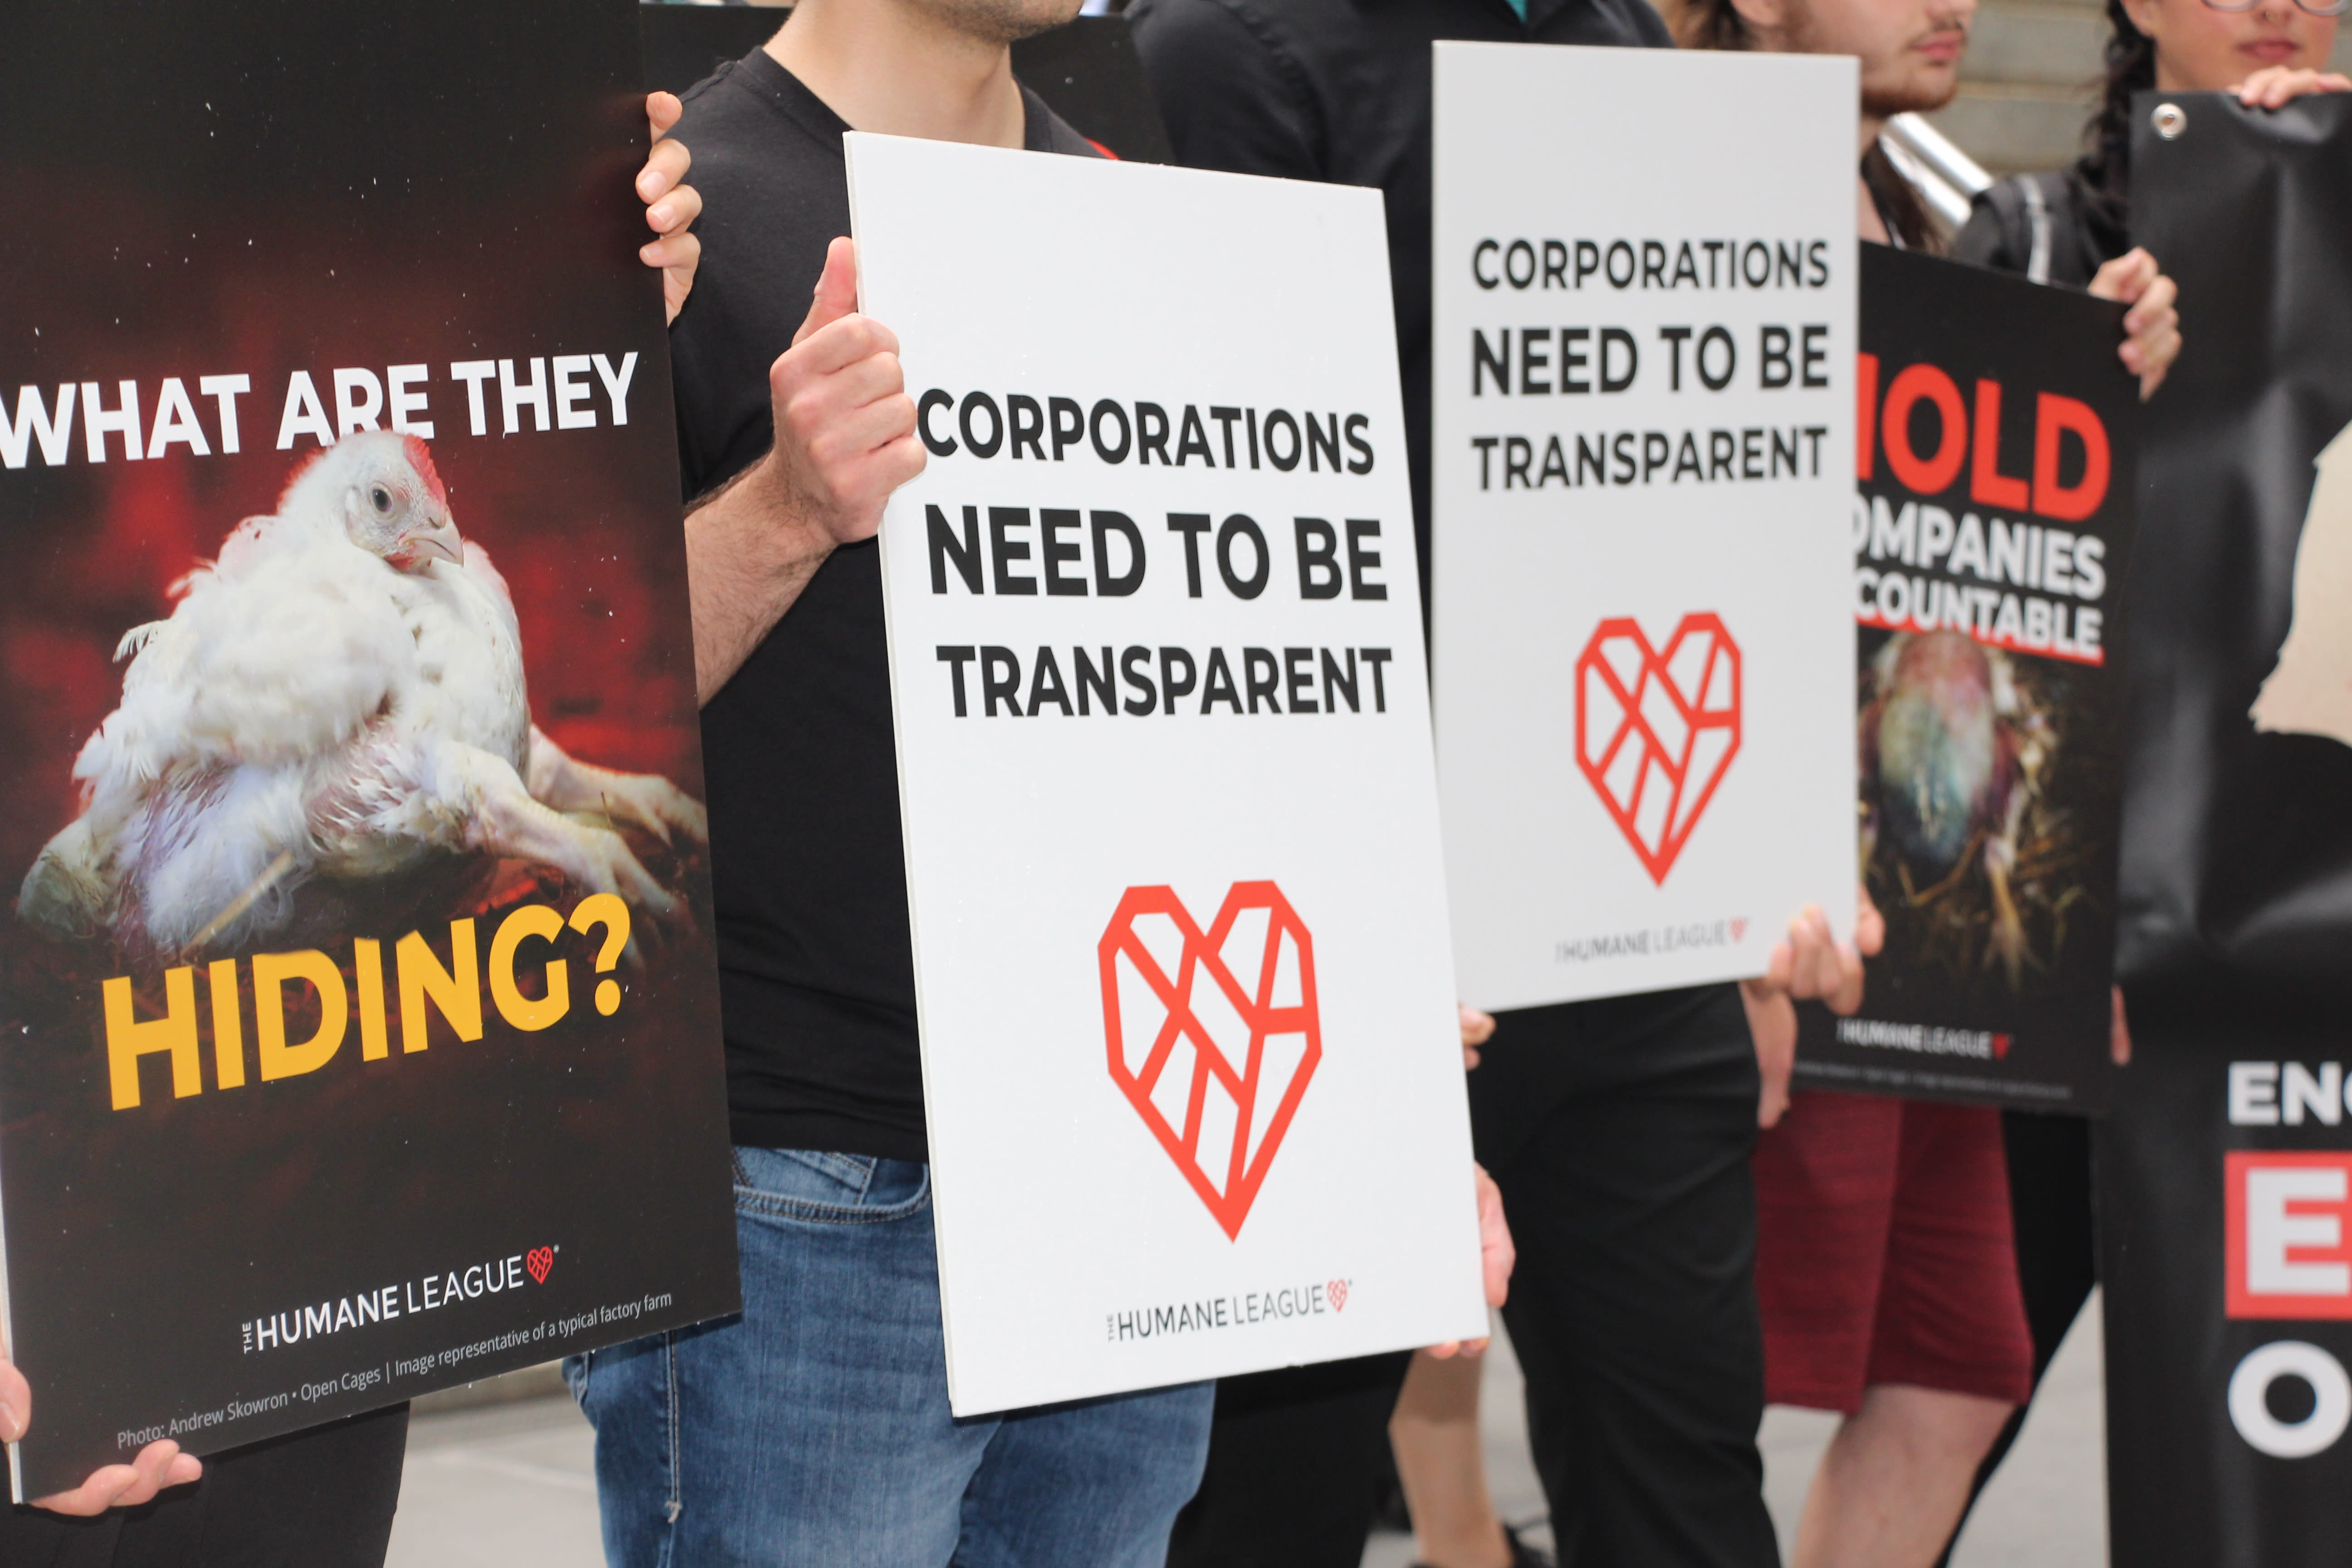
(1190, 1055)
(1642, 476)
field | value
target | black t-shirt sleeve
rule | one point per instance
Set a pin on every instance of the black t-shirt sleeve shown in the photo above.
(1232, 97)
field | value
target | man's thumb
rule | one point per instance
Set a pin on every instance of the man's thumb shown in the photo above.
(836, 291)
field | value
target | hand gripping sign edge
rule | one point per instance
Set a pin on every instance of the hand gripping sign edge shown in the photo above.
(1182, 1031)
(1694, 715)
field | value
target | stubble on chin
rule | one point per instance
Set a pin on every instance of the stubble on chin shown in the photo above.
(1915, 92)
(1000, 21)
(1923, 95)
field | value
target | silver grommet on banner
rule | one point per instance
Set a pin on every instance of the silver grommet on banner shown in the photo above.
(2171, 120)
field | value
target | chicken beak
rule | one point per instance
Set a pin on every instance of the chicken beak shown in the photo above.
(438, 542)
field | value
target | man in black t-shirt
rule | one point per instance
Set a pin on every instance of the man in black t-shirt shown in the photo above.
(815, 1429)
(1618, 1131)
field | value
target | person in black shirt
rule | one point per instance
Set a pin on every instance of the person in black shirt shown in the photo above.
(815, 1429)
(1618, 1131)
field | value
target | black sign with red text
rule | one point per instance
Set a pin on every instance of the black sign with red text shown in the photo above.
(2225, 1175)
(1991, 530)
(359, 1025)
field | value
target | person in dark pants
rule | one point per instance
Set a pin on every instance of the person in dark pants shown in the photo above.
(1292, 1458)
(1634, 1312)
(1620, 1132)
(319, 1499)
(1323, 1431)
(322, 1498)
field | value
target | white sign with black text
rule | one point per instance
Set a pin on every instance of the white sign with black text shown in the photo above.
(1190, 1058)
(1642, 415)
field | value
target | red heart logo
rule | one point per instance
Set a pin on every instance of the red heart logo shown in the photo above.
(1338, 1292)
(2000, 1047)
(1739, 928)
(540, 1261)
(1215, 1068)
(1655, 730)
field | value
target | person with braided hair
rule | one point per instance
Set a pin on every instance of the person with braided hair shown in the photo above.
(2063, 228)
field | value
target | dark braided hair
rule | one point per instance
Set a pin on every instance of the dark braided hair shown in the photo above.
(2105, 168)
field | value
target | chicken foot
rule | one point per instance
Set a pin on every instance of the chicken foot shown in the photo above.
(644, 801)
(503, 818)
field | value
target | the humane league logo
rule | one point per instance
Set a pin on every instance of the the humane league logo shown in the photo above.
(1215, 1068)
(1656, 730)
(1234, 1310)
(407, 1299)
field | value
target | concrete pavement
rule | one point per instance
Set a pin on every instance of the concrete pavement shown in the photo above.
(510, 1486)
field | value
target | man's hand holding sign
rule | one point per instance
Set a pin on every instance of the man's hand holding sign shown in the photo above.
(1813, 965)
(845, 441)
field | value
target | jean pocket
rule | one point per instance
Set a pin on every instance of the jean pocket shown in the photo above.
(828, 1188)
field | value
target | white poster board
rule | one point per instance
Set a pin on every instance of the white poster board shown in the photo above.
(1190, 1054)
(1642, 480)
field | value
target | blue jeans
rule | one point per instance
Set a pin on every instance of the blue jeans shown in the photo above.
(814, 1432)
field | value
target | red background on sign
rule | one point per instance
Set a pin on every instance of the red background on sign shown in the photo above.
(2245, 1303)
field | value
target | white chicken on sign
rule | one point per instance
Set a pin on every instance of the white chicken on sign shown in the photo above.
(340, 699)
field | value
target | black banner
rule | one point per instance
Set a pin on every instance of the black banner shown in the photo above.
(2225, 1170)
(1086, 70)
(1992, 534)
(359, 1024)
(2224, 1173)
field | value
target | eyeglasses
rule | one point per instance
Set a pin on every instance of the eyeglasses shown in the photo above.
(2309, 7)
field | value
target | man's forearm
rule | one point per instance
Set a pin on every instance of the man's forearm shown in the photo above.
(747, 560)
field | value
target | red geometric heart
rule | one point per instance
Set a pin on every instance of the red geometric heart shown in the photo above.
(540, 1261)
(1338, 1292)
(1215, 1068)
(1655, 731)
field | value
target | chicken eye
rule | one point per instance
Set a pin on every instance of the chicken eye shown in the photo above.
(382, 499)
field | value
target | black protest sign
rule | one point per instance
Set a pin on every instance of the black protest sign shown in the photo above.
(359, 996)
(1992, 531)
(2224, 1173)
(1086, 70)
(2225, 1170)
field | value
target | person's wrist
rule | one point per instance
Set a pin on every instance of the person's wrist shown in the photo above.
(798, 535)
(766, 524)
